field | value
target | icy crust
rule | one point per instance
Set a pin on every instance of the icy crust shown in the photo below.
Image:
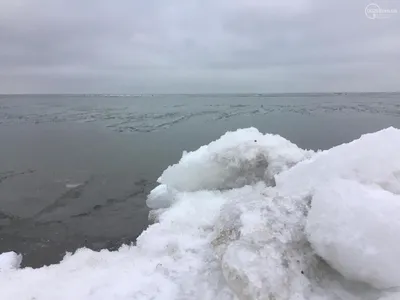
(239, 158)
(249, 216)
(10, 261)
(354, 222)
(355, 228)
(261, 245)
(236, 159)
(372, 160)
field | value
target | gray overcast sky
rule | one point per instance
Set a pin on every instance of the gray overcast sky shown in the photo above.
(184, 46)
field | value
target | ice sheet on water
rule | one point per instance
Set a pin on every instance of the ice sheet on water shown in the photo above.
(249, 216)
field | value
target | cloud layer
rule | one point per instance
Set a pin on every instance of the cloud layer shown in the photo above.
(167, 46)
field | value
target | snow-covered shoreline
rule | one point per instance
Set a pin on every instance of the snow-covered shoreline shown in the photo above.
(249, 216)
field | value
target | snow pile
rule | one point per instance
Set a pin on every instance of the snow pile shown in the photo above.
(261, 244)
(355, 228)
(237, 159)
(10, 261)
(371, 160)
(353, 223)
(249, 216)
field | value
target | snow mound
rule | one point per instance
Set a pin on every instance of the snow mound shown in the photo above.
(356, 228)
(249, 216)
(372, 160)
(354, 218)
(238, 158)
(261, 245)
(10, 261)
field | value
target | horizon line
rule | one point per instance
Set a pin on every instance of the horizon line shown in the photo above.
(205, 93)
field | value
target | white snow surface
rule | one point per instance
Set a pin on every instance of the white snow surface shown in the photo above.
(249, 216)
(10, 261)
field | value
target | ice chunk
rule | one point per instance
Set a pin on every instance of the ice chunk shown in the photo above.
(238, 158)
(10, 261)
(161, 196)
(245, 156)
(72, 185)
(356, 229)
(373, 159)
(264, 253)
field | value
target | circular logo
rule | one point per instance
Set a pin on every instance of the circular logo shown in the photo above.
(372, 11)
